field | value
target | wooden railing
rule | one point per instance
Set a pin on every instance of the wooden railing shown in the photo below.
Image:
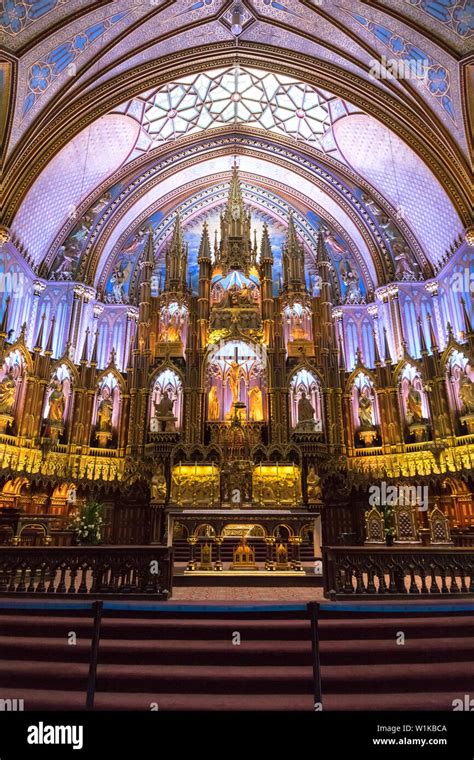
(463, 538)
(134, 572)
(397, 571)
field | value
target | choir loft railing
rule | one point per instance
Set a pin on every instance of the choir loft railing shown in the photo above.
(133, 572)
(399, 571)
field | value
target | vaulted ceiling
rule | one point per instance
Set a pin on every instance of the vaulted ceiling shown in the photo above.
(117, 111)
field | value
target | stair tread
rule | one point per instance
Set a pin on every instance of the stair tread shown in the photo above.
(388, 670)
(244, 702)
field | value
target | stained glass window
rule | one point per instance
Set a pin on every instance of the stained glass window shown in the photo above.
(238, 94)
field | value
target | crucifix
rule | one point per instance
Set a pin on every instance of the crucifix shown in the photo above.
(235, 372)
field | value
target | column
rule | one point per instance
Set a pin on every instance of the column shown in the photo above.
(38, 288)
(218, 563)
(192, 564)
(270, 562)
(296, 542)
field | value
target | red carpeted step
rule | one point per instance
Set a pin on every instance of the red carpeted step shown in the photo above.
(208, 679)
(63, 675)
(211, 627)
(198, 701)
(271, 652)
(46, 698)
(49, 649)
(387, 650)
(188, 661)
(376, 626)
(403, 701)
(387, 678)
(40, 625)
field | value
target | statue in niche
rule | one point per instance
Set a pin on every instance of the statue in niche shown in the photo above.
(172, 332)
(7, 393)
(214, 410)
(466, 393)
(165, 406)
(105, 411)
(313, 482)
(414, 406)
(305, 409)
(256, 404)
(365, 409)
(164, 413)
(57, 403)
(298, 332)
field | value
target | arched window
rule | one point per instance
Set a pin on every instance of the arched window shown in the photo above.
(298, 323)
(352, 343)
(117, 341)
(445, 317)
(410, 328)
(61, 320)
(368, 343)
(102, 344)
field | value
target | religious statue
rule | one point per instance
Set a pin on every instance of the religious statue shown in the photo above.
(7, 393)
(365, 409)
(282, 554)
(305, 409)
(119, 279)
(172, 332)
(351, 280)
(313, 482)
(298, 332)
(165, 406)
(466, 393)
(414, 404)
(245, 294)
(213, 404)
(57, 403)
(256, 404)
(158, 486)
(164, 413)
(104, 412)
(235, 211)
(234, 380)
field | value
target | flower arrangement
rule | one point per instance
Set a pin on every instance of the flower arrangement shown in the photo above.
(388, 519)
(87, 523)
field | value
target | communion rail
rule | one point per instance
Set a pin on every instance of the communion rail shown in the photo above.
(397, 571)
(134, 572)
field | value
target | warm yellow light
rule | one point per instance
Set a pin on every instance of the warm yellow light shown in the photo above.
(194, 470)
(272, 470)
